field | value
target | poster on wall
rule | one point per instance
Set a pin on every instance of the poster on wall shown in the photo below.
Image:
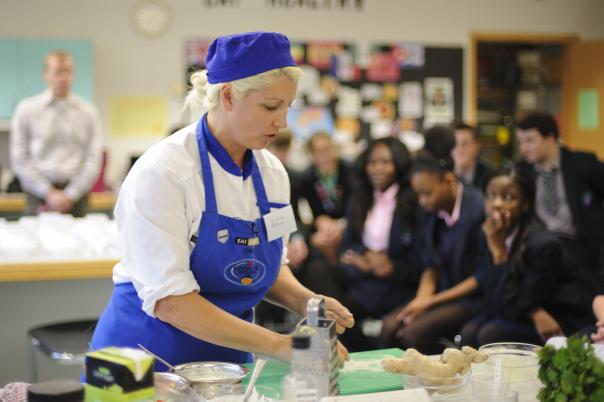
(409, 55)
(304, 122)
(411, 100)
(438, 101)
(364, 90)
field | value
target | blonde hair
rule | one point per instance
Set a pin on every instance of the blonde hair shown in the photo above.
(204, 96)
(60, 55)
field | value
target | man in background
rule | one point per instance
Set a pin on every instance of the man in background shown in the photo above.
(469, 167)
(570, 190)
(56, 143)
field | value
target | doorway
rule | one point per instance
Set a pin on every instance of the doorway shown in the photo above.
(511, 75)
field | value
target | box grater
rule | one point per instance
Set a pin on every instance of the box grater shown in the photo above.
(323, 346)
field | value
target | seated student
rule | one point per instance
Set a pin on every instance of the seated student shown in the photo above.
(377, 271)
(540, 292)
(326, 187)
(569, 190)
(452, 259)
(469, 167)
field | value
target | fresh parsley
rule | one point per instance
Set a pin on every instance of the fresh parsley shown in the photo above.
(572, 373)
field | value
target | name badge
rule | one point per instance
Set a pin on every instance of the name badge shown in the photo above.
(280, 223)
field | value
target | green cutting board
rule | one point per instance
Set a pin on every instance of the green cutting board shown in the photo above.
(361, 375)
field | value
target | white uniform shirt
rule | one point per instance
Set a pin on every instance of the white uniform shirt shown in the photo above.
(54, 141)
(159, 209)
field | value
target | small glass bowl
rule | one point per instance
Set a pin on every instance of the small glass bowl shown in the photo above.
(439, 386)
(519, 366)
(516, 355)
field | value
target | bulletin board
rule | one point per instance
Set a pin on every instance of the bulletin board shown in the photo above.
(21, 69)
(362, 90)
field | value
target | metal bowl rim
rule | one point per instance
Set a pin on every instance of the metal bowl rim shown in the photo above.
(244, 370)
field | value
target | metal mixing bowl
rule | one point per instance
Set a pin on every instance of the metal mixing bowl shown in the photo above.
(211, 379)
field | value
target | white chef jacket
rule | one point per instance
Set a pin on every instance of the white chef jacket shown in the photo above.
(159, 209)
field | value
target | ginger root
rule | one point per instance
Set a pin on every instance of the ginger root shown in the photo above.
(452, 362)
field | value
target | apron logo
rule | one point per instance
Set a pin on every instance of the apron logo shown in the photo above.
(247, 272)
(222, 236)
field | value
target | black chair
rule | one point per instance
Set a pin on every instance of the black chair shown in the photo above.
(64, 342)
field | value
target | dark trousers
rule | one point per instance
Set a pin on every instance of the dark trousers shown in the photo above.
(426, 332)
(483, 330)
(588, 260)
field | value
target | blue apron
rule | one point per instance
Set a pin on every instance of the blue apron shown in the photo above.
(232, 261)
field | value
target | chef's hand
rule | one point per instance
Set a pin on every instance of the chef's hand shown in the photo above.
(342, 354)
(334, 310)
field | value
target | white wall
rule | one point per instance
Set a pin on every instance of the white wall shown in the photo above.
(128, 64)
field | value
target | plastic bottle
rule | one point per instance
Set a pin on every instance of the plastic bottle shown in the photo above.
(300, 385)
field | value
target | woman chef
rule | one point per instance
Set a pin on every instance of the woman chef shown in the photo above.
(203, 218)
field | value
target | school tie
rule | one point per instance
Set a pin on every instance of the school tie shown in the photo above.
(549, 196)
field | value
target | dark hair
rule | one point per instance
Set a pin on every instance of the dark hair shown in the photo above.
(425, 161)
(435, 156)
(363, 191)
(528, 220)
(462, 125)
(439, 140)
(541, 121)
(318, 134)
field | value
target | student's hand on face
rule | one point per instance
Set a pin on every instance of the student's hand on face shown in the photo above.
(546, 325)
(495, 229)
(497, 224)
(414, 309)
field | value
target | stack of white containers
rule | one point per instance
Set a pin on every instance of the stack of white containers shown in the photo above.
(56, 237)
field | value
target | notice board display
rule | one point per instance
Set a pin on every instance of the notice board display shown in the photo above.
(362, 90)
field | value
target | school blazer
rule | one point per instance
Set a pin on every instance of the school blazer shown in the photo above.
(307, 188)
(545, 276)
(583, 176)
(482, 173)
(385, 294)
(470, 255)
